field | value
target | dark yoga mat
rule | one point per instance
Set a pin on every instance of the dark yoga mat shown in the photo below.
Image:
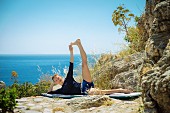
(122, 96)
(61, 96)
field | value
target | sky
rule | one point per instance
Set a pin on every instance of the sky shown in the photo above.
(48, 26)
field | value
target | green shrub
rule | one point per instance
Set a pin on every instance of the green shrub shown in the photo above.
(24, 90)
(125, 52)
(121, 17)
(136, 39)
(28, 89)
(7, 99)
(101, 73)
(133, 35)
(41, 87)
(14, 76)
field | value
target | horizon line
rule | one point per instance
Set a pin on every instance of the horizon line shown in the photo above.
(43, 54)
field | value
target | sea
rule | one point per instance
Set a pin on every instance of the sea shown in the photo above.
(32, 68)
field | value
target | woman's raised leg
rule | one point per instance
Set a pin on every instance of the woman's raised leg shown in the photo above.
(85, 70)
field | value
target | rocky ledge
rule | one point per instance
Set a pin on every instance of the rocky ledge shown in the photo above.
(92, 104)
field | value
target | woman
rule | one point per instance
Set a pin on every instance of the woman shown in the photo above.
(70, 86)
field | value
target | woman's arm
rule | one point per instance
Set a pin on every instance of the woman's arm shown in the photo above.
(116, 91)
(50, 91)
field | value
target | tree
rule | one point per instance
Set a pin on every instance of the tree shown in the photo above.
(122, 17)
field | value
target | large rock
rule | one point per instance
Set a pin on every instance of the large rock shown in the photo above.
(156, 81)
(156, 86)
(119, 72)
(88, 102)
(2, 84)
(159, 31)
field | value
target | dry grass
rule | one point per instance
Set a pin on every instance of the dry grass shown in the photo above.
(108, 103)
(125, 52)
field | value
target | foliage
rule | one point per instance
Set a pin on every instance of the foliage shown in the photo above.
(102, 79)
(104, 58)
(125, 52)
(41, 87)
(43, 84)
(121, 17)
(24, 90)
(136, 39)
(14, 76)
(28, 89)
(14, 73)
(7, 99)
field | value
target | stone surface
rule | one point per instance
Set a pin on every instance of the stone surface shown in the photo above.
(92, 104)
(121, 73)
(156, 81)
(2, 84)
(156, 85)
(159, 30)
(88, 102)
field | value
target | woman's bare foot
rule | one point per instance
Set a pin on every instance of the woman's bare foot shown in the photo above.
(77, 42)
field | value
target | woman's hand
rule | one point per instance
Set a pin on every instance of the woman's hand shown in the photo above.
(95, 91)
(51, 87)
(71, 53)
(52, 84)
(70, 48)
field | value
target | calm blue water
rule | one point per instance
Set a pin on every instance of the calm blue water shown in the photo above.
(31, 67)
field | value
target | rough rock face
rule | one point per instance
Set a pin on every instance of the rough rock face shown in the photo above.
(85, 103)
(158, 27)
(120, 73)
(156, 85)
(2, 84)
(156, 82)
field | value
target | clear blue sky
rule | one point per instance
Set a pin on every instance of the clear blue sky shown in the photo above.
(48, 26)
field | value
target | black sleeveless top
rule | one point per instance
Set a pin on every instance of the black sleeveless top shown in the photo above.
(70, 86)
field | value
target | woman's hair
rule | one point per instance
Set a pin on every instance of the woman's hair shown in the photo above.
(54, 76)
